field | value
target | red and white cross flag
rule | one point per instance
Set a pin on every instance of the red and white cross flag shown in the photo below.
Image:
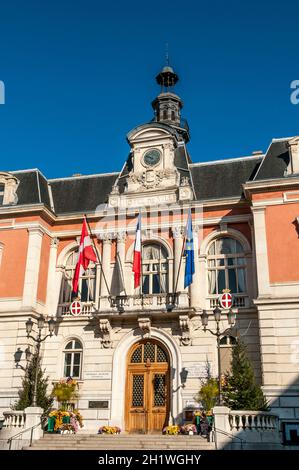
(86, 254)
(137, 254)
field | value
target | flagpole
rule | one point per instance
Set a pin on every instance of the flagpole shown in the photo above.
(183, 249)
(177, 278)
(122, 272)
(97, 255)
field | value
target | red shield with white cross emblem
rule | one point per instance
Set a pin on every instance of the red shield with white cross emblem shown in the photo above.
(76, 308)
(226, 300)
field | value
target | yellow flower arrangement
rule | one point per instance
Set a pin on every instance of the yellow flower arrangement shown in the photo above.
(109, 430)
(172, 430)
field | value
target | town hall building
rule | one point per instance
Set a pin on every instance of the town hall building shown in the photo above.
(140, 355)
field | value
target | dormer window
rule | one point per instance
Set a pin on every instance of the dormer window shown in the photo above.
(2, 188)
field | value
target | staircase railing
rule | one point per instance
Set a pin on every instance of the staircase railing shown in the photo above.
(220, 431)
(31, 429)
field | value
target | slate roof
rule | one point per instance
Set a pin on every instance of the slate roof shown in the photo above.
(212, 180)
(33, 187)
(275, 163)
(222, 179)
(80, 194)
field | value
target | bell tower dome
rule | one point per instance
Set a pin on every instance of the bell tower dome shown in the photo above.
(167, 106)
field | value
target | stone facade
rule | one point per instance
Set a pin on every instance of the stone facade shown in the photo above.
(38, 237)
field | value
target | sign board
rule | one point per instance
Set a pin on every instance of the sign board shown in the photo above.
(196, 369)
(191, 404)
(97, 375)
(76, 308)
(99, 404)
(226, 300)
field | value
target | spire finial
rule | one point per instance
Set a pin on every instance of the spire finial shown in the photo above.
(167, 54)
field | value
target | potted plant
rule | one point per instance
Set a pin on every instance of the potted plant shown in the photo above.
(61, 420)
(65, 391)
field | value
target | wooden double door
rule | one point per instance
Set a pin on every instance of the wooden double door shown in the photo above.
(147, 388)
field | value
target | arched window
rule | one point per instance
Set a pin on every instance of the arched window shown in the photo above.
(226, 266)
(148, 352)
(226, 349)
(154, 269)
(73, 352)
(86, 289)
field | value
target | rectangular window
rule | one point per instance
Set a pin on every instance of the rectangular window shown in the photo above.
(2, 187)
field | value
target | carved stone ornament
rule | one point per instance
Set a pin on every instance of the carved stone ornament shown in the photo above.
(178, 231)
(105, 330)
(54, 242)
(115, 189)
(185, 181)
(145, 326)
(185, 327)
(10, 183)
(150, 179)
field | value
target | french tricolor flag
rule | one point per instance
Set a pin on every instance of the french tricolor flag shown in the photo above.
(86, 254)
(137, 254)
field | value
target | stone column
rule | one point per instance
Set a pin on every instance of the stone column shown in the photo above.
(221, 415)
(261, 251)
(106, 260)
(32, 266)
(195, 291)
(53, 284)
(120, 259)
(179, 265)
(33, 417)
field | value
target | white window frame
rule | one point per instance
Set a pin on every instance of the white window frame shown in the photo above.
(72, 351)
(217, 258)
(67, 279)
(160, 262)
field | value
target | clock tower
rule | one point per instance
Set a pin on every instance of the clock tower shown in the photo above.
(157, 166)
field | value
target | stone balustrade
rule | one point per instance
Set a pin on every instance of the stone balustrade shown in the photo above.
(21, 426)
(14, 419)
(88, 308)
(252, 420)
(246, 429)
(129, 303)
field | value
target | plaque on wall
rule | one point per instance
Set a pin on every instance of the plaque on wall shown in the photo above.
(97, 375)
(99, 404)
(196, 369)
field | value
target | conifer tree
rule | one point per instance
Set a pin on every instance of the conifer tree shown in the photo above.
(27, 390)
(240, 390)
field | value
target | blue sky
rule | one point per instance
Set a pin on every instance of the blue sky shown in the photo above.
(80, 74)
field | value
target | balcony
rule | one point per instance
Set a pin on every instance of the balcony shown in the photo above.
(129, 303)
(88, 308)
(240, 301)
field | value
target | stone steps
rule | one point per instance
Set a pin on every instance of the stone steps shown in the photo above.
(120, 442)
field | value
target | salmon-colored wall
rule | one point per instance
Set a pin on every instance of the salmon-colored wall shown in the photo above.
(13, 264)
(283, 242)
(43, 269)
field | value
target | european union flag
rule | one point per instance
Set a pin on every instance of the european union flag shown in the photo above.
(189, 253)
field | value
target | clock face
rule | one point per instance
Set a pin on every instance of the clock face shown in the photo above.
(152, 157)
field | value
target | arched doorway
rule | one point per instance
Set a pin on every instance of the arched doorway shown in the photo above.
(147, 387)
